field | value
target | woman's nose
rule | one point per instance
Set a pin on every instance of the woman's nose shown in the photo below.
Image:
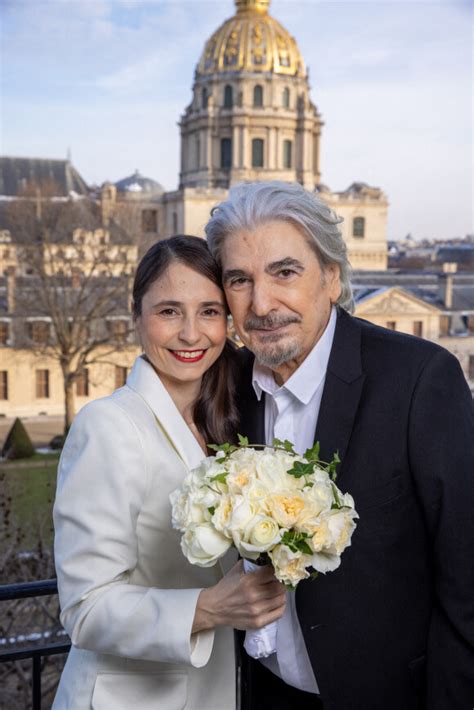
(190, 332)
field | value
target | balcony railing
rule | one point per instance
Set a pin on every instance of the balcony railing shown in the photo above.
(9, 592)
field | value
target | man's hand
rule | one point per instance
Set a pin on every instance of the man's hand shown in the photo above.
(243, 601)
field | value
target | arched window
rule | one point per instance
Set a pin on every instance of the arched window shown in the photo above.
(228, 96)
(204, 97)
(287, 154)
(258, 95)
(286, 97)
(358, 227)
(226, 153)
(257, 153)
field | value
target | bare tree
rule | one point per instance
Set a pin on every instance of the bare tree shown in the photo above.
(72, 285)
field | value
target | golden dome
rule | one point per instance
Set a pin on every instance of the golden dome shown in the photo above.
(252, 41)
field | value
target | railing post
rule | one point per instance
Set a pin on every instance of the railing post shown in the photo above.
(36, 698)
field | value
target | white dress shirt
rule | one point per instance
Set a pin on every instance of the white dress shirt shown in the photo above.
(291, 412)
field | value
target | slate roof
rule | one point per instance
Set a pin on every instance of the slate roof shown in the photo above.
(424, 285)
(59, 175)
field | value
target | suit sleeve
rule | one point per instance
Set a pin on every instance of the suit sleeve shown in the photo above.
(102, 483)
(441, 445)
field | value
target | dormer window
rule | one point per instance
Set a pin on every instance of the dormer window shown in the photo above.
(286, 97)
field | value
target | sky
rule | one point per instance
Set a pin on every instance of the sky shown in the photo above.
(108, 81)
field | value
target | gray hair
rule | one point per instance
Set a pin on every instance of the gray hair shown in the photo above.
(252, 204)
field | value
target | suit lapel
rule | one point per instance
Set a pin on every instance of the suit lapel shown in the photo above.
(252, 412)
(342, 390)
(144, 380)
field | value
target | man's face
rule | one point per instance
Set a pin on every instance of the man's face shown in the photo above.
(279, 297)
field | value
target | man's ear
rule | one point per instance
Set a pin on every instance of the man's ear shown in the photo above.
(333, 281)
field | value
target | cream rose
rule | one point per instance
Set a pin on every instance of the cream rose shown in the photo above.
(260, 535)
(286, 507)
(202, 545)
(290, 567)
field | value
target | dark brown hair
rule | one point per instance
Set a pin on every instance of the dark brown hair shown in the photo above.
(215, 412)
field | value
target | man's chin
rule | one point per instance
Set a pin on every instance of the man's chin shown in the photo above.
(272, 355)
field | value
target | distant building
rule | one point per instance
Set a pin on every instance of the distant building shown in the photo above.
(438, 306)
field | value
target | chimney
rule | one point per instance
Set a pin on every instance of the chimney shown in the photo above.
(108, 196)
(446, 283)
(11, 287)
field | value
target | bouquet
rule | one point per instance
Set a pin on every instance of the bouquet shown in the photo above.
(270, 503)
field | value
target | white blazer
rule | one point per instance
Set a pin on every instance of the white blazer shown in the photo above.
(127, 593)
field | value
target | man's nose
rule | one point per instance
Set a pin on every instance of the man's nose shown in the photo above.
(190, 332)
(263, 300)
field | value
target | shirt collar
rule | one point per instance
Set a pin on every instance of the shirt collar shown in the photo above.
(304, 382)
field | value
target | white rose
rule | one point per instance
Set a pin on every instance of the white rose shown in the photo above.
(184, 511)
(272, 467)
(290, 567)
(341, 526)
(222, 514)
(202, 545)
(261, 535)
(325, 562)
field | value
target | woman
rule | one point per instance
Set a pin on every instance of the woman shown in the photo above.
(148, 629)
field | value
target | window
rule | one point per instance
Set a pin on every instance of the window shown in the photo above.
(226, 153)
(258, 96)
(42, 384)
(228, 97)
(198, 152)
(120, 376)
(257, 153)
(82, 383)
(287, 154)
(149, 221)
(418, 328)
(358, 227)
(3, 384)
(391, 325)
(286, 98)
(204, 98)
(444, 325)
(118, 329)
(175, 223)
(471, 367)
(39, 331)
(4, 332)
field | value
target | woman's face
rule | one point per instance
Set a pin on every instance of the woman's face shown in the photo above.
(183, 324)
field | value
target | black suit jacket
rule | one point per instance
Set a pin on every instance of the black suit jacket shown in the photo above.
(393, 627)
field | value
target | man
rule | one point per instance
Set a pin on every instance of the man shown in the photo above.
(393, 627)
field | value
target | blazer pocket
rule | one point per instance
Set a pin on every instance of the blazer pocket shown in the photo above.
(379, 495)
(144, 691)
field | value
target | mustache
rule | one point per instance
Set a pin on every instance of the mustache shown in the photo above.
(269, 322)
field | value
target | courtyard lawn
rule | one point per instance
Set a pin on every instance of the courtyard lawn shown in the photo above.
(27, 489)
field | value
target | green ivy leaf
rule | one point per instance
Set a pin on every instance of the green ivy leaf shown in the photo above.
(212, 509)
(221, 477)
(312, 454)
(286, 445)
(301, 469)
(332, 466)
(243, 440)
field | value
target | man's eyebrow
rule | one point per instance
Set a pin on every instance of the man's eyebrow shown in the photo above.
(234, 273)
(286, 263)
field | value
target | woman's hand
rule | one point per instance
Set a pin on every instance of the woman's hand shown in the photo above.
(243, 601)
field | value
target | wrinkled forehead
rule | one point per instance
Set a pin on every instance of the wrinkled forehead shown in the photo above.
(268, 242)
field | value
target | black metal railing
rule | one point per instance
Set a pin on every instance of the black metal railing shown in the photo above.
(11, 592)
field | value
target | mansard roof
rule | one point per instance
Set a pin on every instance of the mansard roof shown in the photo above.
(58, 177)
